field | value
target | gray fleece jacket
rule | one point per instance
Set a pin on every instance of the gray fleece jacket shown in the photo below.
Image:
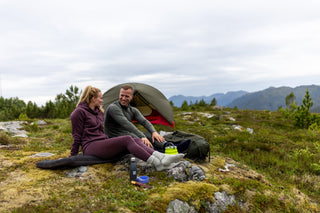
(118, 121)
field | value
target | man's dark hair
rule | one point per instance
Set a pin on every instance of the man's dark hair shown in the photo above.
(126, 87)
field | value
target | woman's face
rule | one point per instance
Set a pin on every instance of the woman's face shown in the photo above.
(97, 101)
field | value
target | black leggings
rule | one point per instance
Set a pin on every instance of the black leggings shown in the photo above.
(113, 147)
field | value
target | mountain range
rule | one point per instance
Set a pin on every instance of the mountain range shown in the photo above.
(268, 99)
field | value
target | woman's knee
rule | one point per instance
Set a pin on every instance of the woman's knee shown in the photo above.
(129, 138)
(126, 139)
(138, 140)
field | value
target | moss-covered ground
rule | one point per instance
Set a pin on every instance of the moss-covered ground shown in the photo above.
(276, 168)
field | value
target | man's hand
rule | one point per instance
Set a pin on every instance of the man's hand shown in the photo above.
(147, 142)
(158, 137)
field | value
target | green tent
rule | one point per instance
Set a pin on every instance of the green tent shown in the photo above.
(149, 100)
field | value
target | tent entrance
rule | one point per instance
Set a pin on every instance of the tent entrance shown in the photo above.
(142, 105)
(148, 111)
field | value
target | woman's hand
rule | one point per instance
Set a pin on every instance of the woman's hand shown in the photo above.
(147, 142)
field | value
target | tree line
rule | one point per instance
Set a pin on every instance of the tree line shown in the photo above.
(64, 104)
(198, 104)
(61, 107)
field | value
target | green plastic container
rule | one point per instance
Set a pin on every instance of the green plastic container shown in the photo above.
(171, 150)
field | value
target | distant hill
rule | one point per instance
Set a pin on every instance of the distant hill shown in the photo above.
(221, 98)
(269, 99)
(273, 98)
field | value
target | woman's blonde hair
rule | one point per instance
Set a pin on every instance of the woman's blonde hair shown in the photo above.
(88, 93)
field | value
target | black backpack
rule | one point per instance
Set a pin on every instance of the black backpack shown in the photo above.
(199, 148)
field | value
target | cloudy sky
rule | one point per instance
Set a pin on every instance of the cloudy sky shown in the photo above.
(188, 47)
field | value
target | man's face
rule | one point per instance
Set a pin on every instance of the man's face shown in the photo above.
(125, 96)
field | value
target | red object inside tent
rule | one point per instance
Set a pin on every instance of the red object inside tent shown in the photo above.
(156, 118)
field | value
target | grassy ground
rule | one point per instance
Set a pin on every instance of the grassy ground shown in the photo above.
(277, 169)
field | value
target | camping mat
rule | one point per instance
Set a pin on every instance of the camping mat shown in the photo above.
(73, 161)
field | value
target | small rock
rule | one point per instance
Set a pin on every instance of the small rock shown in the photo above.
(183, 171)
(207, 115)
(237, 127)
(232, 119)
(177, 206)
(195, 173)
(77, 172)
(43, 154)
(250, 130)
(178, 172)
(40, 122)
(222, 201)
(226, 167)
(217, 107)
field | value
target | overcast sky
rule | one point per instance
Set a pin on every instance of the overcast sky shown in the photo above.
(188, 47)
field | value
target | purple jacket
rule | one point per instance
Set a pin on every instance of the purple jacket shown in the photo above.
(87, 126)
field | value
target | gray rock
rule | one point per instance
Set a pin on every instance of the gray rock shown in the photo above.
(43, 154)
(77, 172)
(221, 203)
(196, 173)
(178, 171)
(217, 107)
(178, 206)
(250, 130)
(6, 146)
(40, 122)
(184, 171)
(226, 167)
(14, 127)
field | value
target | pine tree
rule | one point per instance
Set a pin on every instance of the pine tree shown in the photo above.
(303, 117)
(213, 102)
(290, 99)
(184, 105)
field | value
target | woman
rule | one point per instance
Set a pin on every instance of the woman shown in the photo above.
(87, 132)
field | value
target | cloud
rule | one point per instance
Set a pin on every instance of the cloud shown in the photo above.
(180, 47)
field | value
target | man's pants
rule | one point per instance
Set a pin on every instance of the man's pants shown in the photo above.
(159, 146)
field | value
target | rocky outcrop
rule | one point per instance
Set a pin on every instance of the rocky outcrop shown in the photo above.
(16, 129)
(222, 201)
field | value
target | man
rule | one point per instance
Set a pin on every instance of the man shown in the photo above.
(119, 116)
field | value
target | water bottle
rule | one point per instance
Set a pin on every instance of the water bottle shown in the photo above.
(133, 169)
